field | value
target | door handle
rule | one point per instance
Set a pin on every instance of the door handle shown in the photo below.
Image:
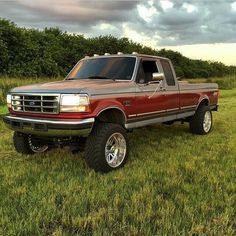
(162, 89)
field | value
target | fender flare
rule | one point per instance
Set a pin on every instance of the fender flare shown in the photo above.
(113, 107)
(202, 99)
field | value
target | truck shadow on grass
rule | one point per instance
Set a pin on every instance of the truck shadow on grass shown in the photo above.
(143, 142)
(156, 144)
(159, 134)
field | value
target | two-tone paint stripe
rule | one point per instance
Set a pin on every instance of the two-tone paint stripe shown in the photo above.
(154, 120)
(161, 111)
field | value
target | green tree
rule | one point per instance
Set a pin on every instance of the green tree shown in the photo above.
(51, 52)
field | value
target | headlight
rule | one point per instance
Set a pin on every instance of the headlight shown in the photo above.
(9, 100)
(74, 103)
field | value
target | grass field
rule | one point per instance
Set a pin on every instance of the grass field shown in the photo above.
(174, 183)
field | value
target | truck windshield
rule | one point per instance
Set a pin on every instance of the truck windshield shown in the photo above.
(115, 68)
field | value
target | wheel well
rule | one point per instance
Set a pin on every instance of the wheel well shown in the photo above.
(204, 102)
(112, 115)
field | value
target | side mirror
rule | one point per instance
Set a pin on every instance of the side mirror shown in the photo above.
(157, 76)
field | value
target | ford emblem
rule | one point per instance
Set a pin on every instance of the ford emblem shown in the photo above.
(32, 103)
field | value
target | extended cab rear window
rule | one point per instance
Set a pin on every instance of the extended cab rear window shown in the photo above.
(170, 80)
(116, 68)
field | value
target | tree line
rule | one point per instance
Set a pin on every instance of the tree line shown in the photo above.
(52, 52)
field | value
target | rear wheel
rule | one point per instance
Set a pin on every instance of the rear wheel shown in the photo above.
(26, 144)
(201, 122)
(106, 147)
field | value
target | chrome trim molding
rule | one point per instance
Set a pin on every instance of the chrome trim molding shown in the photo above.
(187, 107)
(158, 120)
(174, 109)
(83, 121)
(150, 113)
(153, 112)
(134, 115)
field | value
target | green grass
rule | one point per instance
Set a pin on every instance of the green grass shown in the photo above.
(3, 110)
(174, 183)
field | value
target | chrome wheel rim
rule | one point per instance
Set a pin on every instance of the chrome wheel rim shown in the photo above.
(115, 150)
(207, 121)
(37, 148)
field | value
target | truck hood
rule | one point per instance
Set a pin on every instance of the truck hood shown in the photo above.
(89, 86)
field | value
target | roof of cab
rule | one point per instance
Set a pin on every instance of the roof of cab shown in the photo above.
(126, 55)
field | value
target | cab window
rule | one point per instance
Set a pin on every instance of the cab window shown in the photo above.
(170, 80)
(146, 69)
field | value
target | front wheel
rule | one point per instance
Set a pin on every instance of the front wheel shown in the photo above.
(201, 122)
(26, 144)
(106, 148)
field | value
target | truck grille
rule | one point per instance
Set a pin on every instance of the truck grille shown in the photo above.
(35, 103)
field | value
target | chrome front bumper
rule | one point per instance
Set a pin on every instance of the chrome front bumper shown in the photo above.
(52, 127)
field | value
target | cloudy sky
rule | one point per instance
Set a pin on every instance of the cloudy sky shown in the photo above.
(204, 29)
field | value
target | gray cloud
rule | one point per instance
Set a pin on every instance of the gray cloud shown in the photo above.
(204, 22)
(72, 11)
(172, 22)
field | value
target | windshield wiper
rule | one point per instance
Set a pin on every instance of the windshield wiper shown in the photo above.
(92, 77)
(99, 77)
(71, 78)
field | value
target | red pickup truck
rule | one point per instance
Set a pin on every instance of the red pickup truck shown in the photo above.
(103, 98)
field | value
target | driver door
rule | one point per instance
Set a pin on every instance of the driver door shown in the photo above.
(150, 97)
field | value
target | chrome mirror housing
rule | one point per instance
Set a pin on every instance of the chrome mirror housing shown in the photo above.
(157, 76)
